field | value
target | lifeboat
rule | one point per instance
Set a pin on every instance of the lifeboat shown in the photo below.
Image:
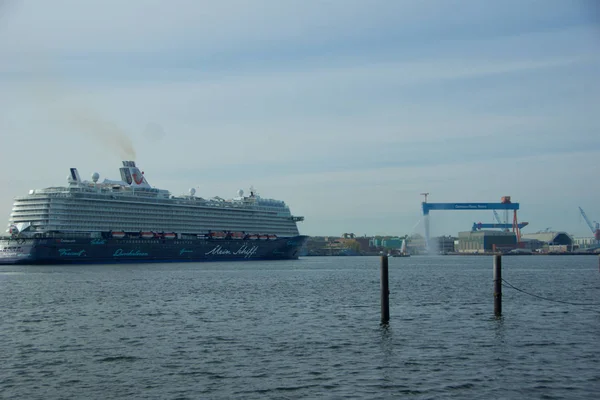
(217, 235)
(147, 235)
(169, 236)
(253, 237)
(118, 235)
(202, 237)
(237, 235)
(272, 237)
(264, 237)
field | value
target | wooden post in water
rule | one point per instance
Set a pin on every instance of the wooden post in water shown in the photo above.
(497, 285)
(385, 291)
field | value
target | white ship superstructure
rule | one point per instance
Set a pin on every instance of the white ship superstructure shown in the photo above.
(131, 205)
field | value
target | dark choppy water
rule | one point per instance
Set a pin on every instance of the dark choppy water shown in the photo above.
(300, 329)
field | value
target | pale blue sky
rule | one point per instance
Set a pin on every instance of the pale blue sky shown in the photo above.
(346, 109)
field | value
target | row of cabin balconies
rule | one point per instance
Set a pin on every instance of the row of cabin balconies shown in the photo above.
(166, 228)
(154, 209)
(128, 217)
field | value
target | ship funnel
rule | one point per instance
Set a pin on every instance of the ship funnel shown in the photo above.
(132, 175)
(74, 175)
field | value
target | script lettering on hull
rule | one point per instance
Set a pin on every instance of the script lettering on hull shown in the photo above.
(130, 253)
(71, 253)
(246, 251)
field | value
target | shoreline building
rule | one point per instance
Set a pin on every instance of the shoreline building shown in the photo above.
(553, 242)
(486, 241)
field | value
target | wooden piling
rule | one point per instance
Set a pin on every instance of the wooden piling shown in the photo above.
(497, 285)
(385, 291)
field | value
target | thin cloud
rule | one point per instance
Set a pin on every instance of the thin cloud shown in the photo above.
(340, 107)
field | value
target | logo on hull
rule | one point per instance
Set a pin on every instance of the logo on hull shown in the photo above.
(246, 251)
(130, 253)
(71, 253)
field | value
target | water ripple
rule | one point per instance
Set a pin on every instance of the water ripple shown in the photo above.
(303, 329)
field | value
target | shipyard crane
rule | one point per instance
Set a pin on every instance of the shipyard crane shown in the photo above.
(505, 204)
(594, 228)
(497, 216)
(502, 222)
(505, 227)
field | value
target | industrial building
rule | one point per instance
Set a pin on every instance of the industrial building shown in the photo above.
(386, 242)
(551, 238)
(554, 242)
(392, 243)
(444, 244)
(486, 241)
(585, 242)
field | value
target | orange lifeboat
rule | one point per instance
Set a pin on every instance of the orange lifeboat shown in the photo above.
(118, 235)
(272, 237)
(169, 236)
(147, 235)
(253, 237)
(264, 237)
(217, 235)
(237, 235)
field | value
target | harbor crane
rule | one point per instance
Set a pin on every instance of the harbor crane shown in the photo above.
(595, 227)
(505, 204)
(505, 227)
(497, 217)
(502, 222)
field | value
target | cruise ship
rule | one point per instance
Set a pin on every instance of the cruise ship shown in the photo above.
(127, 220)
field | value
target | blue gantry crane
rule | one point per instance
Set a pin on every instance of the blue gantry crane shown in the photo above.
(505, 204)
(505, 226)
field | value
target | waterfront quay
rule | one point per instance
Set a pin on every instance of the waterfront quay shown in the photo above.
(481, 242)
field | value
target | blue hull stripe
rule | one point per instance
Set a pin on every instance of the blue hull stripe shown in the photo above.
(116, 251)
